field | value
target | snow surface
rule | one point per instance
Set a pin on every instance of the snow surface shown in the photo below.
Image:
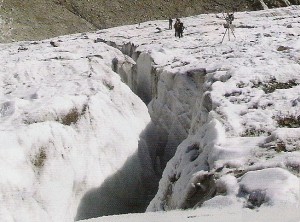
(67, 124)
(210, 215)
(228, 113)
(241, 114)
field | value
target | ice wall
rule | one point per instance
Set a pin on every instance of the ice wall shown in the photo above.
(175, 103)
(172, 99)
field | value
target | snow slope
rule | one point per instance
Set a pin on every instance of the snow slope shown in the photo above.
(67, 124)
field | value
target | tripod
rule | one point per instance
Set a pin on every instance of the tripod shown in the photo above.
(228, 29)
(228, 25)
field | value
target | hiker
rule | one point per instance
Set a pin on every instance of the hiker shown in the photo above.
(176, 27)
(170, 23)
(180, 29)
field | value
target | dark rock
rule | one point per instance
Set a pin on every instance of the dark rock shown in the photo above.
(99, 40)
(22, 48)
(282, 48)
(54, 44)
(256, 199)
(207, 101)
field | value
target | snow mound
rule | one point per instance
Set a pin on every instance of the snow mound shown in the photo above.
(270, 186)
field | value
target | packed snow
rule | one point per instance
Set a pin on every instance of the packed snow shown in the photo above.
(67, 124)
(236, 102)
(224, 130)
(217, 214)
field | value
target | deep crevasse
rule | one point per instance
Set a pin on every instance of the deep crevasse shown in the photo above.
(226, 142)
(176, 98)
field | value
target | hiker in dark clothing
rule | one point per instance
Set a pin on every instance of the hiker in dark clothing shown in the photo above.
(180, 29)
(176, 27)
(170, 23)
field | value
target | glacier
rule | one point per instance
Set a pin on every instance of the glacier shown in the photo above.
(220, 129)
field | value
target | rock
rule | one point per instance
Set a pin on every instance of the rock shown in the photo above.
(207, 101)
(54, 44)
(22, 48)
(99, 40)
(282, 48)
(267, 35)
(158, 30)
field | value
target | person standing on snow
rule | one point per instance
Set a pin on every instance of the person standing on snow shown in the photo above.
(176, 27)
(170, 23)
(180, 29)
